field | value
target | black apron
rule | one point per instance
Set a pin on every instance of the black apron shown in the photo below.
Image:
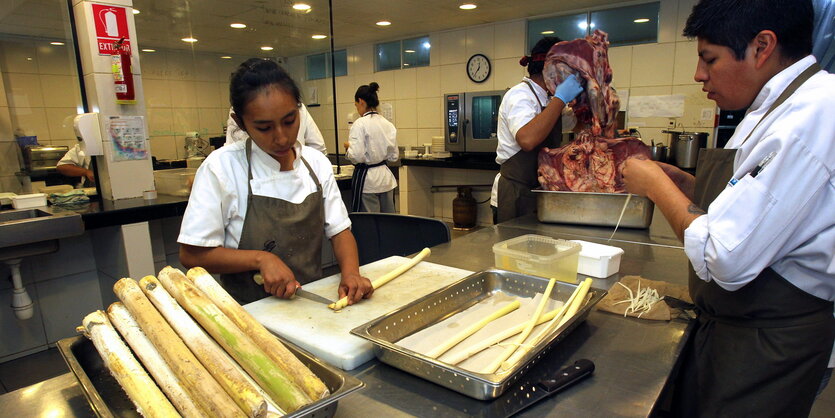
(758, 351)
(358, 179)
(291, 231)
(519, 175)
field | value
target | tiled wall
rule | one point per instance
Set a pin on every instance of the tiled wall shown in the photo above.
(39, 96)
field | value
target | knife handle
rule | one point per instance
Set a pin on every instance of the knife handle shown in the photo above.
(568, 376)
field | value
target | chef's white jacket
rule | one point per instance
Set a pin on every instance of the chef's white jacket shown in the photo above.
(785, 216)
(519, 106)
(76, 156)
(308, 131)
(373, 139)
(218, 201)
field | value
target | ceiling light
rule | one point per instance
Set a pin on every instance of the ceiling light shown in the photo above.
(406, 64)
(409, 51)
(426, 45)
(467, 6)
(237, 25)
(149, 50)
(641, 20)
(319, 36)
(584, 25)
(547, 32)
(383, 23)
(226, 57)
(189, 39)
(266, 48)
(56, 43)
(135, 11)
(301, 6)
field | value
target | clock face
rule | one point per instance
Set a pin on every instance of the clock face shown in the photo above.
(478, 68)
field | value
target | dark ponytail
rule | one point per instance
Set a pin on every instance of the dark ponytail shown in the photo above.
(254, 76)
(369, 94)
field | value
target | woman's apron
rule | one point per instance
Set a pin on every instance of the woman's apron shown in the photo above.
(291, 231)
(358, 179)
(758, 351)
(519, 174)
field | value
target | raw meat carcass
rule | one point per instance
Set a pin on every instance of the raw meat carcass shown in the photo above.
(592, 162)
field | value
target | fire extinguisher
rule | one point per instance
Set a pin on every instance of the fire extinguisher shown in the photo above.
(122, 75)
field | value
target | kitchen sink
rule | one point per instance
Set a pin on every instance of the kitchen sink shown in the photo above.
(28, 232)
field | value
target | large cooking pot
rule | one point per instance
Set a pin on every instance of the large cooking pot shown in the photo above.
(684, 147)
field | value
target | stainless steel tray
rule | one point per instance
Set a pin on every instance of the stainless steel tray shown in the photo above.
(600, 209)
(455, 298)
(107, 399)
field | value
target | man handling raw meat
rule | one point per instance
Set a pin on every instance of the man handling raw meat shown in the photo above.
(529, 119)
(759, 226)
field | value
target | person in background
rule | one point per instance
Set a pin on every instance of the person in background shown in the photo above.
(76, 163)
(757, 220)
(371, 142)
(309, 133)
(261, 205)
(529, 119)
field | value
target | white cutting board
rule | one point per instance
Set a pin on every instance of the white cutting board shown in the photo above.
(325, 333)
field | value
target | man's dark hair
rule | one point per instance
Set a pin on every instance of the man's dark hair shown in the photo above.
(537, 61)
(734, 23)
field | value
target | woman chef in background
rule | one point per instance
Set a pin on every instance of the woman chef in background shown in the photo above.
(309, 133)
(529, 119)
(258, 205)
(371, 142)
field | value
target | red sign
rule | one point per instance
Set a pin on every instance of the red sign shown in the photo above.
(111, 26)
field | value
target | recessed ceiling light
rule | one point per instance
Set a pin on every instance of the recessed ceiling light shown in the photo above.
(467, 6)
(135, 11)
(584, 25)
(409, 51)
(190, 40)
(28, 58)
(319, 36)
(426, 45)
(237, 25)
(149, 50)
(547, 32)
(641, 20)
(226, 57)
(266, 48)
(383, 23)
(406, 64)
(301, 6)
(56, 43)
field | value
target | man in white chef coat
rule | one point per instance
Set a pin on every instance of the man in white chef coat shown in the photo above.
(759, 223)
(309, 133)
(76, 163)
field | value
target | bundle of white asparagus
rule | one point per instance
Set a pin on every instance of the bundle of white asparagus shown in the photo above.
(205, 354)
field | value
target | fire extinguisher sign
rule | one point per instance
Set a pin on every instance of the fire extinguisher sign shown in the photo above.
(111, 26)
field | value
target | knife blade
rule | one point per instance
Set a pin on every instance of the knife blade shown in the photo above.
(299, 292)
(529, 393)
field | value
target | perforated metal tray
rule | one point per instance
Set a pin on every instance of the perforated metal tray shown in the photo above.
(455, 298)
(107, 399)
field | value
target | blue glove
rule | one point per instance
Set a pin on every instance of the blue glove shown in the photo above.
(568, 89)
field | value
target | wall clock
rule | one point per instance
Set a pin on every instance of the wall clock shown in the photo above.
(478, 68)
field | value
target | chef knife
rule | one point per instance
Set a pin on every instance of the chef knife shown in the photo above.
(299, 292)
(523, 396)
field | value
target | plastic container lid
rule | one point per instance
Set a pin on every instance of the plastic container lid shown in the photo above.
(597, 251)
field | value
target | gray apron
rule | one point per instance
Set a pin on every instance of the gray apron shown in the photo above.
(291, 231)
(519, 175)
(761, 350)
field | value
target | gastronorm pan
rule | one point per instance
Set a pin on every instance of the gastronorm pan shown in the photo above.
(455, 298)
(586, 208)
(107, 399)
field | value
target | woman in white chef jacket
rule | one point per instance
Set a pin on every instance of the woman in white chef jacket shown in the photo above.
(309, 133)
(371, 142)
(258, 205)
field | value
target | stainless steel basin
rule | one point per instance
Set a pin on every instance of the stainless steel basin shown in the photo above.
(27, 232)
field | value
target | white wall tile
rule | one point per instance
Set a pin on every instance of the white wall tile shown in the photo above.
(23, 90)
(452, 44)
(685, 7)
(9, 162)
(405, 84)
(454, 79)
(164, 147)
(60, 317)
(153, 65)
(428, 81)
(185, 120)
(695, 101)
(686, 58)
(211, 122)
(429, 113)
(60, 123)
(480, 41)
(361, 59)
(179, 65)
(32, 121)
(345, 89)
(6, 130)
(405, 113)
(60, 91)
(18, 57)
(510, 39)
(157, 93)
(56, 60)
(205, 67)
(620, 59)
(407, 137)
(668, 21)
(74, 255)
(206, 94)
(507, 73)
(3, 101)
(426, 136)
(223, 94)
(160, 121)
(183, 94)
(386, 81)
(652, 65)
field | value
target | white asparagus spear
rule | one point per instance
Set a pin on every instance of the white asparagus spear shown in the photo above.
(141, 389)
(301, 375)
(260, 367)
(472, 329)
(376, 284)
(204, 389)
(153, 361)
(216, 361)
(570, 308)
(494, 366)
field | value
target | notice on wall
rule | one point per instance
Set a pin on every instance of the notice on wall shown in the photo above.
(127, 134)
(111, 26)
(670, 106)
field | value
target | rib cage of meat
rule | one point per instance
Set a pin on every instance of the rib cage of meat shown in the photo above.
(592, 162)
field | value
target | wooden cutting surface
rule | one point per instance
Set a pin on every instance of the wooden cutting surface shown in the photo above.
(325, 333)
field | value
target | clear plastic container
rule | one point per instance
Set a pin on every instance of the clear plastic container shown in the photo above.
(174, 182)
(26, 201)
(540, 256)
